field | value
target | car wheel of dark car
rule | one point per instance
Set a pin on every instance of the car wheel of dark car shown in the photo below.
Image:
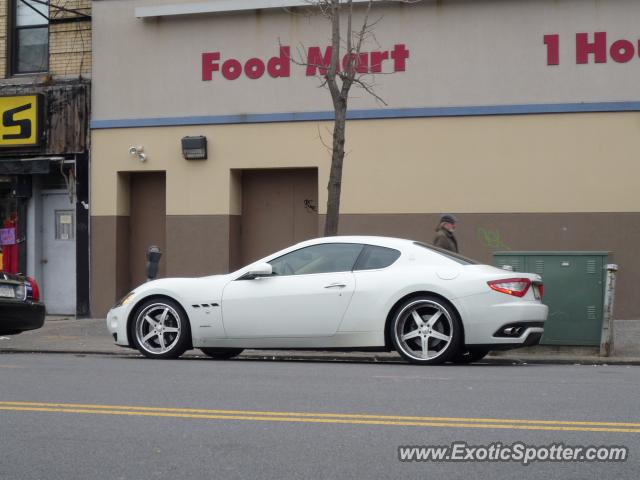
(161, 329)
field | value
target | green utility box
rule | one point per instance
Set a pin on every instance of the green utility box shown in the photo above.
(573, 291)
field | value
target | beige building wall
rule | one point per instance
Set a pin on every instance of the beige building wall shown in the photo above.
(501, 42)
(509, 164)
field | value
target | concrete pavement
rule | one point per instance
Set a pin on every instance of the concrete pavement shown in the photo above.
(90, 336)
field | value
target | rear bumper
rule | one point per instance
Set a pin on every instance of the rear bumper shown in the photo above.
(16, 317)
(486, 315)
(528, 339)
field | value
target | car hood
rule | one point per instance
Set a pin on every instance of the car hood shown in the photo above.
(186, 290)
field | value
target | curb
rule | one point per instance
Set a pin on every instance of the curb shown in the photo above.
(490, 360)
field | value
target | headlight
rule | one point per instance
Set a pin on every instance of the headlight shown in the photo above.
(126, 299)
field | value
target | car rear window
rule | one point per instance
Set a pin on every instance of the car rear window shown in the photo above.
(374, 257)
(462, 260)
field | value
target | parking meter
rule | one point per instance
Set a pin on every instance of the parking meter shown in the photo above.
(153, 259)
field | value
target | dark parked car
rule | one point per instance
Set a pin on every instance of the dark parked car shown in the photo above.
(20, 306)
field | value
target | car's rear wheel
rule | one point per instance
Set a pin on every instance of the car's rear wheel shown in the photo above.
(426, 330)
(161, 329)
(222, 353)
(469, 355)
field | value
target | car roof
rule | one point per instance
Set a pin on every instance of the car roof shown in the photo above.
(390, 242)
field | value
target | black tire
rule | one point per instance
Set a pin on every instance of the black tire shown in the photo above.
(160, 329)
(442, 321)
(221, 353)
(469, 355)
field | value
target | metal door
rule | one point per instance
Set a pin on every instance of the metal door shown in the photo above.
(58, 253)
(279, 208)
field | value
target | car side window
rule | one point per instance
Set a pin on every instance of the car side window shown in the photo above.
(375, 257)
(324, 258)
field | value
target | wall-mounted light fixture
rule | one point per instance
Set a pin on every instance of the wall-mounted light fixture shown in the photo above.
(194, 148)
(138, 152)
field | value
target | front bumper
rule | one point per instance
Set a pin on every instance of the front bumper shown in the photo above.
(117, 325)
(19, 316)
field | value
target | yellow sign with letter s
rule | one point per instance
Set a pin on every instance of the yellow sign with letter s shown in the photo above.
(20, 117)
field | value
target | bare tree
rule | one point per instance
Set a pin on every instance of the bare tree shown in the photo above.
(339, 77)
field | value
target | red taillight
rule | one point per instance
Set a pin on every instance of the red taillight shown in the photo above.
(540, 289)
(517, 287)
(35, 291)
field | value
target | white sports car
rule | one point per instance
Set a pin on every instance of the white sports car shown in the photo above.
(347, 293)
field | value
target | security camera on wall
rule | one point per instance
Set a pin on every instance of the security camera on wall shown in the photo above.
(138, 152)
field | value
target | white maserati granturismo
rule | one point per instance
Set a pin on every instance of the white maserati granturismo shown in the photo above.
(347, 293)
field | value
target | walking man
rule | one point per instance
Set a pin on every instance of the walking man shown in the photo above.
(445, 237)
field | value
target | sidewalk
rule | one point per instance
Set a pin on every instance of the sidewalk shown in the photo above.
(90, 336)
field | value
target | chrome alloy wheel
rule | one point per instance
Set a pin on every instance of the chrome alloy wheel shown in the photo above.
(423, 329)
(158, 328)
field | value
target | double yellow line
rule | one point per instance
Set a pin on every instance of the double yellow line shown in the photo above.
(331, 418)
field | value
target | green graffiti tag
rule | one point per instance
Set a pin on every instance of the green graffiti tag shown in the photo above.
(492, 239)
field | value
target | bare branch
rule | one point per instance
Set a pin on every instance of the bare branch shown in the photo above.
(369, 88)
(324, 144)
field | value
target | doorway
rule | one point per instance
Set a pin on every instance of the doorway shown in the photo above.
(147, 223)
(58, 253)
(279, 208)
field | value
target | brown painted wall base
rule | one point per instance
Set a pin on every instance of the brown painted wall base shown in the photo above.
(196, 245)
(208, 244)
(109, 262)
(199, 245)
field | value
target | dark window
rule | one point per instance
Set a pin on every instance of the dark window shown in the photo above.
(376, 257)
(30, 39)
(324, 258)
(450, 255)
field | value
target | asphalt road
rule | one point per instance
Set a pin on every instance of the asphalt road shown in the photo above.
(82, 417)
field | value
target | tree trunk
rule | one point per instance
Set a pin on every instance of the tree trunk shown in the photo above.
(335, 175)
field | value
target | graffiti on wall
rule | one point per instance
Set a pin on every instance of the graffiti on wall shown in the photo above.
(492, 238)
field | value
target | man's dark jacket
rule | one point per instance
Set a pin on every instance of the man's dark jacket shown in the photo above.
(446, 239)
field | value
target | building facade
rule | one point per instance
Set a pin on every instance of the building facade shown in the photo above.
(45, 66)
(519, 117)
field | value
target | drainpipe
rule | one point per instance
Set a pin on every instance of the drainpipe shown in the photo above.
(606, 339)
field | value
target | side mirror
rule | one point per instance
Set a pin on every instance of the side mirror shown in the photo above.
(258, 270)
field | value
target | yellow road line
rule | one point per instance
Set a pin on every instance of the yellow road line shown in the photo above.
(322, 415)
(318, 418)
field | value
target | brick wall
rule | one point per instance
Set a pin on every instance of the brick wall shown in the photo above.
(69, 43)
(3, 38)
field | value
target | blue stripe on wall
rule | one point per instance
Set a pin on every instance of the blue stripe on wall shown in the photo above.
(371, 114)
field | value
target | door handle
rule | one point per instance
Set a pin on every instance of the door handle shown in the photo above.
(336, 285)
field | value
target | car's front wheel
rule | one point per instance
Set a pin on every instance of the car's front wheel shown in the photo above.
(161, 329)
(426, 330)
(221, 353)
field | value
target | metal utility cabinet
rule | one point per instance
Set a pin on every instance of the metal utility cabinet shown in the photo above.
(573, 290)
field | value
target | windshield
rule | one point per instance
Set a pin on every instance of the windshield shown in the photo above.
(462, 260)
